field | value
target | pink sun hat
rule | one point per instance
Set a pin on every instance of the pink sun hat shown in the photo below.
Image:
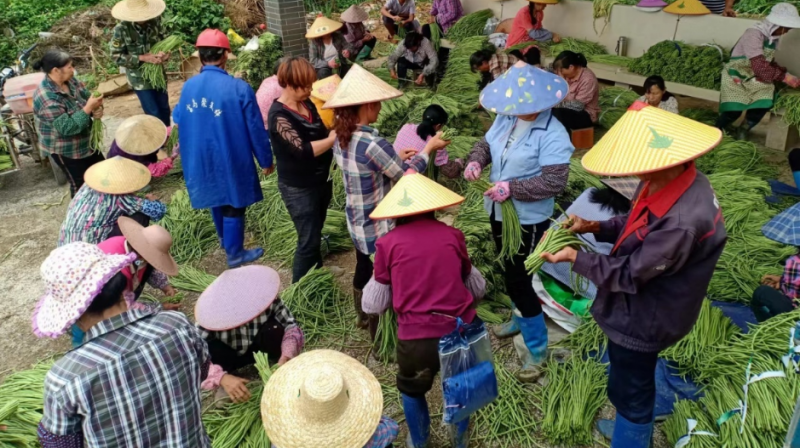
(74, 275)
(236, 297)
(651, 5)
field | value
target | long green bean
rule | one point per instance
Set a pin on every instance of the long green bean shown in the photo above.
(512, 230)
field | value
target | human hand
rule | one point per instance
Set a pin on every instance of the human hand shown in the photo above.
(235, 387)
(580, 225)
(165, 56)
(473, 171)
(407, 153)
(98, 113)
(268, 171)
(151, 197)
(169, 291)
(283, 360)
(499, 192)
(420, 80)
(729, 12)
(772, 281)
(436, 142)
(94, 103)
(346, 53)
(333, 64)
(150, 58)
(397, 19)
(393, 74)
(556, 38)
(791, 80)
(332, 135)
(566, 254)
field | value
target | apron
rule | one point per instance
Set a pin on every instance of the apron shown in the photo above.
(740, 88)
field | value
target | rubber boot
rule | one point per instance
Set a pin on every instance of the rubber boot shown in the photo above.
(362, 320)
(78, 336)
(233, 241)
(418, 420)
(743, 131)
(531, 346)
(630, 435)
(458, 434)
(605, 427)
(796, 175)
(216, 216)
(508, 329)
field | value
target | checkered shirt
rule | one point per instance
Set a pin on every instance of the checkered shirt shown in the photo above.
(790, 280)
(63, 127)
(500, 63)
(131, 40)
(370, 167)
(785, 227)
(241, 337)
(135, 382)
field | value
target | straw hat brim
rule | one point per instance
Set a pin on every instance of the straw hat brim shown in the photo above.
(122, 11)
(415, 194)
(359, 87)
(544, 2)
(323, 26)
(325, 88)
(354, 14)
(649, 8)
(141, 135)
(255, 288)
(117, 175)
(288, 427)
(687, 8)
(134, 235)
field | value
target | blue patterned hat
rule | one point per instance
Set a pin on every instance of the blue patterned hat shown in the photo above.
(784, 227)
(523, 90)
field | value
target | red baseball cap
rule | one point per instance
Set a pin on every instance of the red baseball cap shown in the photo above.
(213, 38)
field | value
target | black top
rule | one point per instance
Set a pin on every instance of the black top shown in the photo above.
(291, 135)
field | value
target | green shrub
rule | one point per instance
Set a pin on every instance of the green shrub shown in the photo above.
(189, 18)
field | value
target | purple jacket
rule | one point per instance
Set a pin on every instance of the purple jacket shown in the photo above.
(651, 286)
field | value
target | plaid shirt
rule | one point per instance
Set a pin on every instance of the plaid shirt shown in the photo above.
(790, 280)
(135, 382)
(63, 127)
(447, 12)
(500, 63)
(370, 166)
(241, 337)
(132, 40)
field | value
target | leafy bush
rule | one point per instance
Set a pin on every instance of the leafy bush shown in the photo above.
(189, 18)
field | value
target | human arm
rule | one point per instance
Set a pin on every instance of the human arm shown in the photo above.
(452, 169)
(481, 153)
(433, 58)
(752, 45)
(293, 338)
(346, 49)
(729, 12)
(130, 204)
(382, 158)
(315, 55)
(298, 147)
(161, 168)
(60, 426)
(259, 138)
(473, 280)
(377, 297)
(391, 62)
(119, 50)
(66, 125)
(549, 184)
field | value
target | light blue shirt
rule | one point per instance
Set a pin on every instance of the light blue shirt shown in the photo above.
(545, 142)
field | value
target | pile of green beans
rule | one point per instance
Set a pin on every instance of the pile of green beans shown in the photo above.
(676, 426)
(579, 181)
(617, 97)
(732, 155)
(587, 339)
(172, 140)
(193, 232)
(22, 402)
(512, 230)
(469, 26)
(555, 239)
(487, 314)
(322, 310)
(190, 278)
(238, 424)
(788, 103)
(385, 344)
(507, 422)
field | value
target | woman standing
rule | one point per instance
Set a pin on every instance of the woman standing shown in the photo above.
(422, 271)
(302, 144)
(529, 154)
(656, 95)
(369, 165)
(361, 41)
(527, 24)
(328, 51)
(64, 110)
(748, 80)
(139, 138)
(582, 104)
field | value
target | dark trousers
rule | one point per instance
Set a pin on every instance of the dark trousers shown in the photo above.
(573, 119)
(155, 103)
(363, 270)
(391, 25)
(74, 169)
(268, 340)
(752, 117)
(139, 217)
(518, 282)
(632, 383)
(769, 302)
(794, 159)
(232, 212)
(426, 30)
(323, 73)
(308, 208)
(417, 366)
(404, 66)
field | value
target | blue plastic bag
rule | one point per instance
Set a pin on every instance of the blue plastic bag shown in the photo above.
(468, 378)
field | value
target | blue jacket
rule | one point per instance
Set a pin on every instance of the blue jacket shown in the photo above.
(221, 130)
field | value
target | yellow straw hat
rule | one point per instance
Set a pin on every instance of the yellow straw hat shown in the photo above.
(138, 10)
(361, 87)
(141, 135)
(117, 175)
(321, 398)
(687, 8)
(415, 194)
(648, 139)
(325, 88)
(544, 2)
(323, 26)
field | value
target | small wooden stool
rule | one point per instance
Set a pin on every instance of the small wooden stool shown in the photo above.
(583, 138)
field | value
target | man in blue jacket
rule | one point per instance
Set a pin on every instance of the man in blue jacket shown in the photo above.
(221, 130)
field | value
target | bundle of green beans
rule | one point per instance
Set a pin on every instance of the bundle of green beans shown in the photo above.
(512, 230)
(449, 133)
(575, 391)
(602, 8)
(555, 239)
(154, 73)
(394, 114)
(262, 365)
(705, 116)
(22, 400)
(339, 197)
(469, 26)
(172, 140)
(335, 236)
(261, 216)
(676, 425)
(610, 59)
(587, 339)
(610, 116)
(699, 66)
(585, 47)
(190, 278)
(473, 222)
(732, 154)
(487, 314)
(459, 82)
(238, 424)
(193, 232)
(322, 310)
(507, 422)
(6, 162)
(385, 344)
(617, 97)
(98, 129)
(436, 36)
(788, 106)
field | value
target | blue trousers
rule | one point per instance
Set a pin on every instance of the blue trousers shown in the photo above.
(156, 104)
(632, 383)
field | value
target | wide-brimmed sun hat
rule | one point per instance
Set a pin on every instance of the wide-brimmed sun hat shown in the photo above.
(651, 5)
(647, 139)
(687, 8)
(544, 2)
(138, 10)
(237, 297)
(784, 227)
(415, 194)
(322, 398)
(324, 89)
(354, 14)
(152, 243)
(785, 15)
(73, 274)
(141, 135)
(117, 175)
(323, 26)
(523, 90)
(626, 186)
(361, 87)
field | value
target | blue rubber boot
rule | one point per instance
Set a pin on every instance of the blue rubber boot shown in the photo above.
(78, 336)
(531, 347)
(418, 420)
(508, 329)
(626, 434)
(459, 434)
(605, 427)
(216, 215)
(796, 175)
(233, 241)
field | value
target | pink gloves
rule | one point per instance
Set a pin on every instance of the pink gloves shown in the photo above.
(499, 192)
(473, 171)
(791, 80)
(441, 157)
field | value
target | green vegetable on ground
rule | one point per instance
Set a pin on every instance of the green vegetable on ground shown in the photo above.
(469, 26)
(322, 310)
(677, 427)
(193, 232)
(618, 97)
(190, 278)
(507, 422)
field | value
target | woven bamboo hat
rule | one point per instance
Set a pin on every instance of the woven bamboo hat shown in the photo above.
(138, 10)
(152, 243)
(687, 8)
(361, 87)
(321, 398)
(117, 175)
(325, 88)
(354, 14)
(648, 139)
(544, 2)
(252, 288)
(523, 90)
(141, 135)
(415, 194)
(323, 26)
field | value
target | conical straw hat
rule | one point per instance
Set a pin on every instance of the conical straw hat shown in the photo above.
(354, 14)
(323, 26)
(361, 87)
(255, 288)
(322, 398)
(415, 194)
(687, 8)
(138, 10)
(324, 88)
(117, 175)
(648, 139)
(141, 135)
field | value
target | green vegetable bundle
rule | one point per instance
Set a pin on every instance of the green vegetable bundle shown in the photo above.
(756, 8)
(788, 104)
(676, 425)
(487, 314)
(699, 66)
(385, 344)
(238, 424)
(585, 47)
(22, 402)
(190, 278)
(459, 82)
(588, 338)
(320, 307)
(339, 197)
(556, 238)
(610, 59)
(610, 116)
(507, 422)
(512, 231)
(618, 97)
(98, 129)
(154, 73)
(436, 36)
(335, 236)
(469, 26)
(602, 8)
(732, 154)
(193, 232)
(705, 116)
(394, 114)
(172, 140)
(6, 162)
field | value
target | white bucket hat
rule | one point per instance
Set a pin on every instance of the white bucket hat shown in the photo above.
(785, 15)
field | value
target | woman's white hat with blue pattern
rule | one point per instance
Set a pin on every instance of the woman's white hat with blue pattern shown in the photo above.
(784, 227)
(524, 90)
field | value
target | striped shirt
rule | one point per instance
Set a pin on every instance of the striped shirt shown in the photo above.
(135, 382)
(715, 6)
